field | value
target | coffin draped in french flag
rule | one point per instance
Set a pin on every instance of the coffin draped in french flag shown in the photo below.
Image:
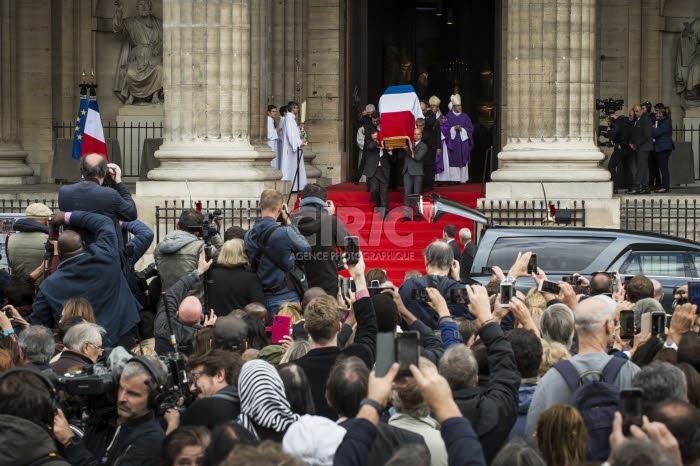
(399, 107)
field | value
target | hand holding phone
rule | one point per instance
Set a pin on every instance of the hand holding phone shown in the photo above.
(627, 324)
(281, 327)
(631, 408)
(547, 286)
(352, 249)
(506, 292)
(532, 264)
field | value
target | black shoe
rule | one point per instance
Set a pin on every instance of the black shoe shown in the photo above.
(632, 191)
(405, 219)
(644, 191)
(416, 219)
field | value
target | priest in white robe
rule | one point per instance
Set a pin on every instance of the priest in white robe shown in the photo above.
(291, 142)
(273, 135)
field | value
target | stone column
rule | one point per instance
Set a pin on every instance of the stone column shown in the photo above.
(549, 117)
(13, 166)
(207, 108)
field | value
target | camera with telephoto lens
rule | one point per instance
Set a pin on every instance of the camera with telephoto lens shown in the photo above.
(208, 227)
(142, 276)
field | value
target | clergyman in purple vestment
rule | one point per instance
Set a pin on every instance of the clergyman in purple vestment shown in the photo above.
(457, 132)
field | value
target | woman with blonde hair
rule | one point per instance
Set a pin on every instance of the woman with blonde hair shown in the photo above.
(80, 307)
(561, 436)
(292, 310)
(231, 285)
(552, 353)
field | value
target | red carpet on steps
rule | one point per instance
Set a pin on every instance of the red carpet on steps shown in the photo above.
(392, 245)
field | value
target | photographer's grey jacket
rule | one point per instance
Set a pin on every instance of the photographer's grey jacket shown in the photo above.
(184, 333)
(178, 255)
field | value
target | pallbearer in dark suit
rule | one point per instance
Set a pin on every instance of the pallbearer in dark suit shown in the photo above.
(378, 171)
(412, 171)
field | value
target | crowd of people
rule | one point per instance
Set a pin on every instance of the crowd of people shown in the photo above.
(642, 144)
(245, 349)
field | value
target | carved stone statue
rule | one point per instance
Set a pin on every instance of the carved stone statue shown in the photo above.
(140, 68)
(687, 73)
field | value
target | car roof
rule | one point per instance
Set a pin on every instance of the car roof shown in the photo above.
(625, 235)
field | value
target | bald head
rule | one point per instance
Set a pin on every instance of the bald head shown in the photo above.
(69, 244)
(591, 315)
(94, 166)
(190, 311)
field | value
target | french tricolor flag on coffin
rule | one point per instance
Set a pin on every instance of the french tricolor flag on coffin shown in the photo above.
(399, 108)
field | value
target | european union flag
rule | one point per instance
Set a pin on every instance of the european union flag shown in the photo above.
(80, 124)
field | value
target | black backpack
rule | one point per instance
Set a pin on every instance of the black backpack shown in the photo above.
(597, 402)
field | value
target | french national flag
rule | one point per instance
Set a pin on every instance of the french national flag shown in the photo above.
(399, 107)
(93, 135)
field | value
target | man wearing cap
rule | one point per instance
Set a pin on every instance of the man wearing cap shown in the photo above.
(26, 245)
(457, 131)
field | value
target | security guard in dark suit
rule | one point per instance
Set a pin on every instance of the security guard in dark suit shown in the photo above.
(412, 171)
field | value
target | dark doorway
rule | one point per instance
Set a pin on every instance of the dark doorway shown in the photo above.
(438, 46)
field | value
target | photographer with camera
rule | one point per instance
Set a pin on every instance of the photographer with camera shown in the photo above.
(178, 254)
(25, 246)
(619, 133)
(272, 251)
(100, 191)
(93, 272)
(136, 436)
(442, 272)
(185, 312)
(316, 220)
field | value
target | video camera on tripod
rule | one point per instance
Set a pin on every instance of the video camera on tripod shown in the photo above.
(607, 107)
(207, 230)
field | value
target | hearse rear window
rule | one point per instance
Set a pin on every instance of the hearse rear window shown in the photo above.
(554, 254)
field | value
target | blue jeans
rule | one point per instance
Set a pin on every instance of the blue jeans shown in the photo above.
(273, 301)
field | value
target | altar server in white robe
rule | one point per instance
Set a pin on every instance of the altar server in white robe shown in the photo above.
(291, 142)
(273, 135)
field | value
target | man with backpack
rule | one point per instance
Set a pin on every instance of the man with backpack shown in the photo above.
(591, 380)
(272, 251)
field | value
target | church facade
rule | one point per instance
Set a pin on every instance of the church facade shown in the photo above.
(224, 61)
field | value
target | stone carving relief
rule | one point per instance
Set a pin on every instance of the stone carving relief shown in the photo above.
(139, 74)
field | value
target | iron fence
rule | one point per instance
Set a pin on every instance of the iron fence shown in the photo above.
(533, 212)
(240, 213)
(130, 137)
(675, 217)
(18, 206)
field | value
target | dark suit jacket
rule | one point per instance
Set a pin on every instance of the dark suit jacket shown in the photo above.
(414, 165)
(94, 274)
(372, 159)
(455, 249)
(466, 260)
(642, 134)
(88, 196)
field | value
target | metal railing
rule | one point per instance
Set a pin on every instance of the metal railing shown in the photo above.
(240, 213)
(130, 138)
(18, 206)
(533, 212)
(675, 217)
